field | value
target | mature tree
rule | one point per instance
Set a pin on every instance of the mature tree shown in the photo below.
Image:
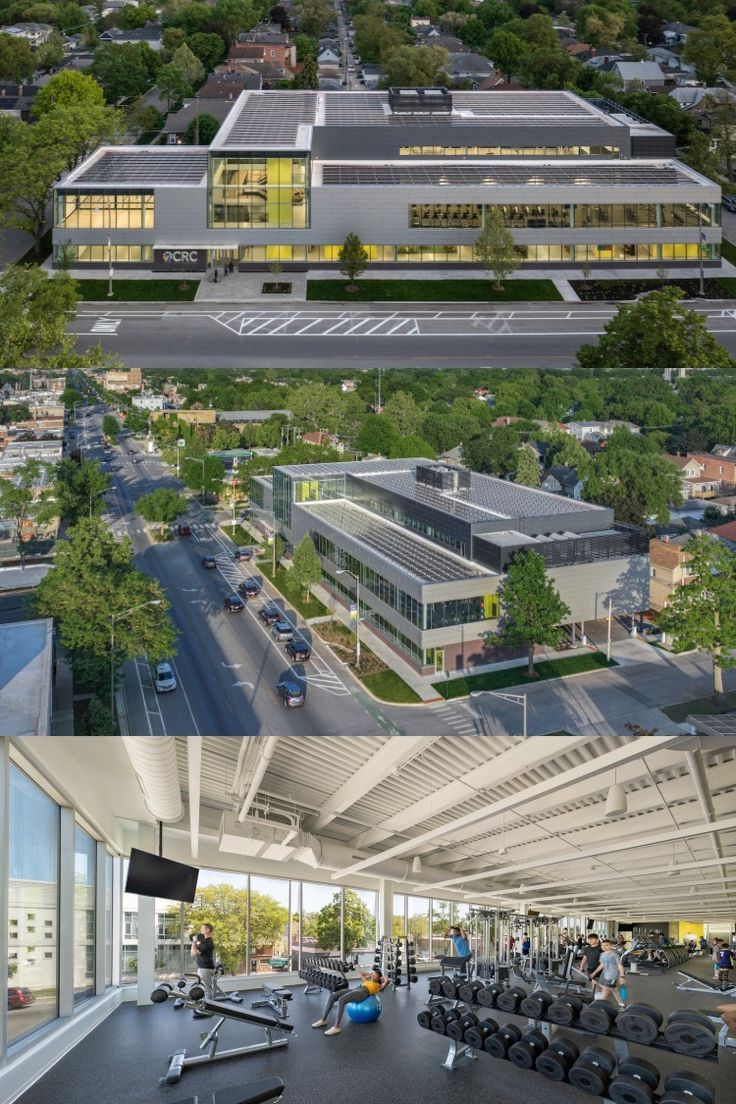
(16, 59)
(280, 14)
(161, 507)
(70, 397)
(353, 258)
(226, 437)
(201, 131)
(633, 477)
(70, 88)
(79, 489)
(526, 471)
(417, 66)
(35, 314)
(308, 78)
(233, 16)
(315, 406)
(711, 48)
(378, 435)
(493, 453)
(92, 581)
(550, 68)
(110, 428)
(412, 445)
(125, 71)
(205, 477)
(657, 333)
(173, 83)
(190, 63)
(209, 48)
(507, 51)
(702, 614)
(565, 450)
(26, 502)
(402, 409)
(50, 54)
(306, 565)
(18, 412)
(225, 906)
(306, 46)
(359, 922)
(494, 247)
(315, 17)
(130, 17)
(531, 608)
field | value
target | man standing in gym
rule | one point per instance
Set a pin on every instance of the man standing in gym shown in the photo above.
(592, 955)
(202, 951)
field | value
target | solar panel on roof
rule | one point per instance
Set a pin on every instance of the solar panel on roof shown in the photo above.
(146, 167)
(500, 173)
(271, 119)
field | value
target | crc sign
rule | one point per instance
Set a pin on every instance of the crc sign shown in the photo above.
(179, 260)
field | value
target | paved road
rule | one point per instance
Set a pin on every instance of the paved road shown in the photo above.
(334, 336)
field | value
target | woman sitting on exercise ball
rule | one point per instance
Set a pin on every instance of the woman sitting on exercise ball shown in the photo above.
(373, 984)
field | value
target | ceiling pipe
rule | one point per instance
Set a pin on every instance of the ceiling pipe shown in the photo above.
(154, 761)
(266, 751)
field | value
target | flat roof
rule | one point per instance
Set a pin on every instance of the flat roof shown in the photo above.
(509, 172)
(268, 120)
(26, 655)
(424, 561)
(143, 165)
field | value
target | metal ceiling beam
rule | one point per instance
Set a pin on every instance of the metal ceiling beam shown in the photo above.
(633, 750)
(194, 786)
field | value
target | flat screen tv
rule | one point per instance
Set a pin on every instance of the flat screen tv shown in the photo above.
(151, 876)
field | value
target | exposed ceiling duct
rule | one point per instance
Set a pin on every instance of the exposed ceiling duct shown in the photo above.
(153, 759)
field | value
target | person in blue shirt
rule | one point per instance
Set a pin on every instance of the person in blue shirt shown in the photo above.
(460, 945)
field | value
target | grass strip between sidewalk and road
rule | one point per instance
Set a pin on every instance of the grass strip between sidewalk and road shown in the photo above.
(432, 291)
(241, 536)
(680, 711)
(389, 687)
(517, 676)
(285, 582)
(728, 251)
(139, 291)
(376, 676)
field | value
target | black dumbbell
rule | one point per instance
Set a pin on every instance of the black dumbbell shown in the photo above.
(510, 1000)
(413, 978)
(468, 991)
(555, 1062)
(640, 1023)
(435, 986)
(536, 1005)
(598, 1017)
(160, 994)
(196, 993)
(564, 1011)
(635, 1082)
(502, 1040)
(456, 1030)
(442, 1022)
(691, 1033)
(525, 1053)
(688, 1084)
(489, 994)
(477, 1035)
(448, 988)
(592, 1071)
(424, 1019)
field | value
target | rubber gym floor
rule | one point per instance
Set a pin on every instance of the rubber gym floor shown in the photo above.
(390, 1061)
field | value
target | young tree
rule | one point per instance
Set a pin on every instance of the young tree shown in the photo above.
(658, 334)
(507, 51)
(494, 247)
(201, 131)
(306, 565)
(353, 258)
(702, 614)
(70, 88)
(110, 428)
(526, 471)
(161, 507)
(50, 54)
(309, 75)
(25, 502)
(79, 489)
(173, 83)
(531, 607)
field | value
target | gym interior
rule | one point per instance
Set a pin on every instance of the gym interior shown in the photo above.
(182, 918)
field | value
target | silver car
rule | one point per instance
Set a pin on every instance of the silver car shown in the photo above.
(164, 678)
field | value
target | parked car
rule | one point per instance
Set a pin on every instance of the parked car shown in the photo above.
(242, 554)
(270, 614)
(298, 650)
(19, 996)
(184, 530)
(209, 562)
(164, 678)
(234, 604)
(282, 630)
(249, 589)
(291, 693)
(729, 202)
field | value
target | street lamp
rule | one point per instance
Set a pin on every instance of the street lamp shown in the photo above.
(180, 444)
(344, 571)
(117, 617)
(199, 460)
(517, 699)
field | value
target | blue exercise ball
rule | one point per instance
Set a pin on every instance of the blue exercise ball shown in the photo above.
(365, 1011)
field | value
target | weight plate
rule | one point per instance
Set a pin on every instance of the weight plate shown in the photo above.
(466, 993)
(536, 1005)
(424, 1019)
(434, 987)
(694, 1084)
(496, 1046)
(486, 997)
(448, 988)
(508, 1002)
(597, 1017)
(551, 1065)
(574, 1002)
(641, 1070)
(647, 1010)
(589, 1078)
(455, 1030)
(672, 1096)
(452, 1014)
(690, 1038)
(637, 1027)
(566, 1049)
(627, 1090)
(599, 1057)
(685, 1015)
(560, 1013)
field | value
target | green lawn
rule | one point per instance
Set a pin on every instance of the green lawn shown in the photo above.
(139, 291)
(682, 710)
(433, 291)
(516, 676)
(284, 582)
(728, 251)
(728, 283)
(240, 535)
(390, 687)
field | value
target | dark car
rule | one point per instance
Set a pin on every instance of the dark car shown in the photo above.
(291, 693)
(209, 561)
(729, 202)
(249, 589)
(270, 614)
(298, 650)
(282, 630)
(242, 554)
(234, 604)
(19, 996)
(184, 530)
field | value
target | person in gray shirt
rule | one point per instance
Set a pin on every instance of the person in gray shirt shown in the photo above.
(609, 975)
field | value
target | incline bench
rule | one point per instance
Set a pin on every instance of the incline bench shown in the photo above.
(275, 998)
(257, 1092)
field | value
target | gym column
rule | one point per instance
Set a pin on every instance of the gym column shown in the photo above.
(146, 926)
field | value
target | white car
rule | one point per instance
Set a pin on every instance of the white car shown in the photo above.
(165, 679)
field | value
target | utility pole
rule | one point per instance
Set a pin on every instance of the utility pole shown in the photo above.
(608, 641)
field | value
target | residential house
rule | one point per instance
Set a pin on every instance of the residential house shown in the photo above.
(371, 76)
(563, 481)
(420, 22)
(269, 43)
(328, 58)
(148, 401)
(596, 431)
(17, 99)
(447, 42)
(726, 533)
(151, 34)
(672, 64)
(227, 83)
(675, 34)
(323, 439)
(728, 452)
(668, 570)
(468, 68)
(176, 124)
(347, 386)
(705, 475)
(640, 74)
(35, 34)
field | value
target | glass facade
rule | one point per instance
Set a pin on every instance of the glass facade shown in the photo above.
(100, 254)
(105, 211)
(448, 216)
(109, 897)
(85, 880)
(259, 190)
(555, 216)
(268, 925)
(509, 151)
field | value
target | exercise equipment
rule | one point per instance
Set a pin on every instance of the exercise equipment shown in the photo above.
(592, 1071)
(629, 1090)
(525, 1053)
(639, 1023)
(555, 1062)
(324, 972)
(268, 1090)
(692, 1033)
(598, 1017)
(535, 1006)
(366, 1011)
(500, 1043)
(477, 1035)
(275, 997)
(565, 1010)
(510, 1000)
(457, 1028)
(692, 1085)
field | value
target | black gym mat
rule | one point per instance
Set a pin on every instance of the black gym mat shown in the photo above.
(392, 1061)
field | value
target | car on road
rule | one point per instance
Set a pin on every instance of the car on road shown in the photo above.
(234, 604)
(729, 202)
(291, 693)
(19, 996)
(242, 554)
(270, 614)
(164, 678)
(282, 630)
(136, 460)
(249, 589)
(184, 530)
(116, 467)
(298, 650)
(209, 562)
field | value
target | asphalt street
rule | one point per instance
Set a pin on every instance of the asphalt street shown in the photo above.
(340, 337)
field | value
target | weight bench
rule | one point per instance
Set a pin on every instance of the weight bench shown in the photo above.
(257, 1092)
(274, 997)
(703, 985)
(179, 1061)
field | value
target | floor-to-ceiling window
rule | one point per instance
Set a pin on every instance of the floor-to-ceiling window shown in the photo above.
(172, 950)
(109, 898)
(221, 900)
(85, 855)
(268, 925)
(359, 923)
(398, 922)
(33, 904)
(129, 948)
(418, 926)
(321, 920)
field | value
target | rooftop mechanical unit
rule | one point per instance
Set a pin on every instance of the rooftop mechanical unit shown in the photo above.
(420, 101)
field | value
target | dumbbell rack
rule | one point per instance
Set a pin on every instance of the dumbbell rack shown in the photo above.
(391, 953)
(323, 972)
(459, 1051)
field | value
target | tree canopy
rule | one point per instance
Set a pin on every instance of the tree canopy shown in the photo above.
(531, 607)
(162, 506)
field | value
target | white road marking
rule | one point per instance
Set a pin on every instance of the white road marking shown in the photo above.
(248, 684)
(230, 666)
(180, 683)
(106, 325)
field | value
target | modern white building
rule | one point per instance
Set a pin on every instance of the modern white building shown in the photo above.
(412, 171)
